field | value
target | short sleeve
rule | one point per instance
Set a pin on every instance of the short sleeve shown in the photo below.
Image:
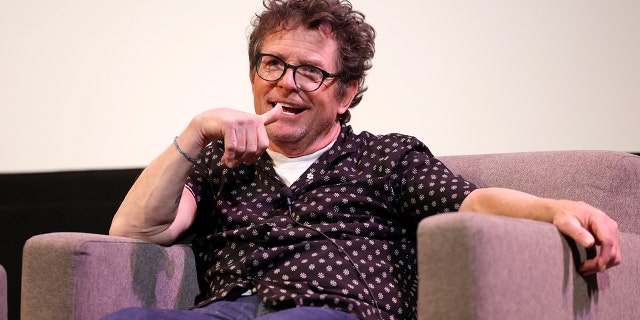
(428, 187)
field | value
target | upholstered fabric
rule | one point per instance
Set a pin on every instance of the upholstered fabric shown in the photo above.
(85, 276)
(471, 266)
(475, 266)
(606, 179)
(3, 294)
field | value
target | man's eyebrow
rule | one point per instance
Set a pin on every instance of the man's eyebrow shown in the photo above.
(305, 61)
(313, 62)
(318, 64)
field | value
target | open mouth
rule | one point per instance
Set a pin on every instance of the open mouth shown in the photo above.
(286, 109)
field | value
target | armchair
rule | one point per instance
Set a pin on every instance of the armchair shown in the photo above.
(3, 294)
(471, 266)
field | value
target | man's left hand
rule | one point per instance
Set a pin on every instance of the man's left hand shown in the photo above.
(589, 227)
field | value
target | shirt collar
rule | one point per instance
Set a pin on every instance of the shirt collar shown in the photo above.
(342, 147)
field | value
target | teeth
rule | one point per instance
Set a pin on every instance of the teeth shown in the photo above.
(283, 108)
(283, 105)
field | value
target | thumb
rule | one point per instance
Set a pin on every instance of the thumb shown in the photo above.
(272, 115)
(579, 233)
(585, 238)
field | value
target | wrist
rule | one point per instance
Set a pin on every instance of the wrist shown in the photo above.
(183, 153)
(189, 143)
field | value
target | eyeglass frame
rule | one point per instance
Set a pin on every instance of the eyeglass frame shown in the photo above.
(294, 68)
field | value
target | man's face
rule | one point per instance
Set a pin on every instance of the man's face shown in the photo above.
(310, 119)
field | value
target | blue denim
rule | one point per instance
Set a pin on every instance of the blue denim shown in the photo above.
(244, 308)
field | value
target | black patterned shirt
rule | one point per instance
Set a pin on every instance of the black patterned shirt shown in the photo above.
(348, 240)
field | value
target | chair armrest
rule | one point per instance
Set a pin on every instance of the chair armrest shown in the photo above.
(85, 276)
(475, 266)
(4, 314)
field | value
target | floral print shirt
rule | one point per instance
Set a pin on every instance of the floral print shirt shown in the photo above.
(342, 236)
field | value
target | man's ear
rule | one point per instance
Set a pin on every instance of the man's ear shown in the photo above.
(350, 93)
(252, 79)
(252, 75)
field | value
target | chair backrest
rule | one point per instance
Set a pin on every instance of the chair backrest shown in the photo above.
(608, 180)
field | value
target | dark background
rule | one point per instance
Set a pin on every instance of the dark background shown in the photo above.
(35, 203)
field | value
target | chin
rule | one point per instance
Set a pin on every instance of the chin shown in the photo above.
(284, 134)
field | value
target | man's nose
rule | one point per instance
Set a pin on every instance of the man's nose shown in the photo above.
(287, 80)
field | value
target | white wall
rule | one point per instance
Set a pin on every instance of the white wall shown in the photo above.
(93, 84)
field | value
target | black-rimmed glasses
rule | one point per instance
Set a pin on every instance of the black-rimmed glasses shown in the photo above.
(307, 78)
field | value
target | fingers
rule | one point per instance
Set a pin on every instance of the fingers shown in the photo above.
(608, 257)
(605, 231)
(231, 143)
(246, 137)
(239, 146)
(272, 115)
(590, 227)
(574, 229)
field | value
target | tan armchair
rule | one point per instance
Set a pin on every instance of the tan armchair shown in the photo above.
(470, 266)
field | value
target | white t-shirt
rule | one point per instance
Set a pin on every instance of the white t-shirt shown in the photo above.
(290, 169)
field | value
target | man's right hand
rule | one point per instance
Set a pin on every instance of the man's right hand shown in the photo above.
(245, 136)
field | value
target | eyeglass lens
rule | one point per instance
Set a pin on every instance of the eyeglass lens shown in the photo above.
(272, 68)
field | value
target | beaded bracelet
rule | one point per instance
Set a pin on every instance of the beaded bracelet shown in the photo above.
(175, 142)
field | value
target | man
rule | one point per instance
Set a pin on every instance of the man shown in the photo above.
(295, 215)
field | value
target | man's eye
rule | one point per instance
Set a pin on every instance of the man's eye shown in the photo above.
(310, 71)
(272, 62)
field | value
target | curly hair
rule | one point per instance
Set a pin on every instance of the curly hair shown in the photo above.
(355, 37)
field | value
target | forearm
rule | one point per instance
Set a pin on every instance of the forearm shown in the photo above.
(153, 209)
(582, 222)
(151, 205)
(511, 203)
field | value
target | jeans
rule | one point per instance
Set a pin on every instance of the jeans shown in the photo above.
(244, 308)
